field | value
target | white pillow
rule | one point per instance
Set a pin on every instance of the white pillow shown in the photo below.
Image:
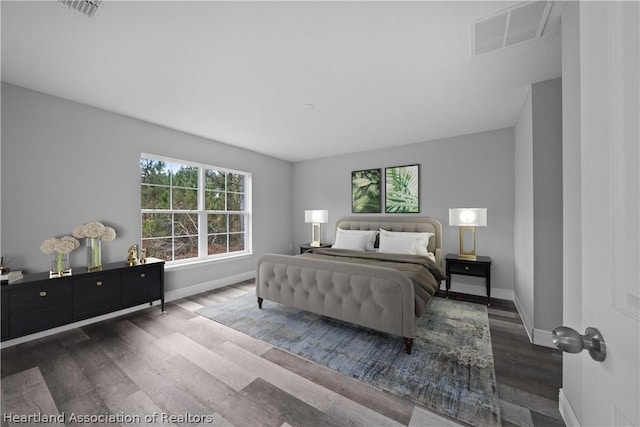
(418, 242)
(393, 245)
(369, 234)
(350, 241)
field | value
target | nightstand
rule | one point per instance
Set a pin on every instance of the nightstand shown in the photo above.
(306, 246)
(480, 267)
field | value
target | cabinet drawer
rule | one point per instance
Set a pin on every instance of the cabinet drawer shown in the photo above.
(141, 285)
(468, 268)
(97, 294)
(39, 307)
(5, 315)
(50, 294)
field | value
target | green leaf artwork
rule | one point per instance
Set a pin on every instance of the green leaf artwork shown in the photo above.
(365, 191)
(402, 193)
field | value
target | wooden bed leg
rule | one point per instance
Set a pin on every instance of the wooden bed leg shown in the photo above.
(260, 303)
(408, 343)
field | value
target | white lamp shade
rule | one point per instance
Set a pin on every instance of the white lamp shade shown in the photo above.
(316, 216)
(470, 217)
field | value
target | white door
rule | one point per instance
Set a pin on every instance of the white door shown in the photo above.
(607, 393)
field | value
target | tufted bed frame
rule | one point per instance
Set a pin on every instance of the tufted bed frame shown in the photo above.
(379, 298)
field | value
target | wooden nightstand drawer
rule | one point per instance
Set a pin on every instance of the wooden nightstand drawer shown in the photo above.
(462, 267)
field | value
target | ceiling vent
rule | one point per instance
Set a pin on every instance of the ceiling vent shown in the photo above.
(88, 7)
(525, 21)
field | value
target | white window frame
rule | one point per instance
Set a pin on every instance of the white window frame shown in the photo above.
(203, 255)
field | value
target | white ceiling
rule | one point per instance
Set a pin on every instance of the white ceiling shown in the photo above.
(378, 74)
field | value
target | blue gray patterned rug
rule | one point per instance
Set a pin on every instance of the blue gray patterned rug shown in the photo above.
(450, 370)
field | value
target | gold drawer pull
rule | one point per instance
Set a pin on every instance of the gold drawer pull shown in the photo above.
(99, 283)
(466, 267)
(143, 275)
(42, 293)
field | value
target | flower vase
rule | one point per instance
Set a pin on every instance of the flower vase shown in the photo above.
(94, 254)
(60, 266)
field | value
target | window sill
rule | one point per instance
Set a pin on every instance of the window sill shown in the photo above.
(205, 262)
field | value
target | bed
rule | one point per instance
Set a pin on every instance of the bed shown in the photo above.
(382, 280)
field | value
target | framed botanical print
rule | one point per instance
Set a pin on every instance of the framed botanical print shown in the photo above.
(366, 194)
(402, 189)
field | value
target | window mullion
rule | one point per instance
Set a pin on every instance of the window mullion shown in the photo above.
(203, 240)
(173, 235)
(228, 232)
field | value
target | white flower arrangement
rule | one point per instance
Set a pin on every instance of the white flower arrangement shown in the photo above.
(94, 230)
(63, 245)
(60, 247)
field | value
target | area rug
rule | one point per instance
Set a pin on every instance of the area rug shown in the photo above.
(450, 370)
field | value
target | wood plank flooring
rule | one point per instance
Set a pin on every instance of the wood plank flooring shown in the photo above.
(529, 376)
(189, 370)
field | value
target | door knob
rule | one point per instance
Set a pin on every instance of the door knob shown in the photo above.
(571, 341)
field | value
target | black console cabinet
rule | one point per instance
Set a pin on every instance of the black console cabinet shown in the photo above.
(37, 303)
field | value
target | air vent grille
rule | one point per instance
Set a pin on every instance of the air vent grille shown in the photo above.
(88, 7)
(523, 22)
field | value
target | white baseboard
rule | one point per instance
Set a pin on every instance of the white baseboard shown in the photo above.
(208, 286)
(539, 337)
(528, 325)
(168, 296)
(566, 411)
(543, 338)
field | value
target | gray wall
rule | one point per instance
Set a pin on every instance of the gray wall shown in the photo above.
(65, 163)
(523, 221)
(538, 219)
(474, 170)
(547, 203)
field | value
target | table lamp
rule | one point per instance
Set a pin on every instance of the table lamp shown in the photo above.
(468, 219)
(316, 217)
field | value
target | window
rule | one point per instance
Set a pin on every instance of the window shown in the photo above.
(193, 212)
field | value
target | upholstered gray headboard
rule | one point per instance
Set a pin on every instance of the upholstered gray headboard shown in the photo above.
(397, 223)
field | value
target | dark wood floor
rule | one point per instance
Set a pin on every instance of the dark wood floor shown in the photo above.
(202, 373)
(529, 376)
